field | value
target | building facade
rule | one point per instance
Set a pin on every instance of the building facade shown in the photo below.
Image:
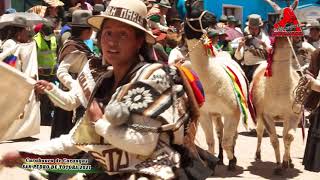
(307, 9)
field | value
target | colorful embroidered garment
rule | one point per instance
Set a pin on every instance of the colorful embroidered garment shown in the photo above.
(195, 84)
(150, 96)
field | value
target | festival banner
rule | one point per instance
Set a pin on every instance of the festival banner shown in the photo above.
(20, 112)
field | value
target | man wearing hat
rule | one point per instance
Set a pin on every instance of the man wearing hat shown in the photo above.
(73, 55)
(231, 29)
(218, 39)
(157, 15)
(223, 43)
(253, 48)
(222, 21)
(314, 36)
(303, 52)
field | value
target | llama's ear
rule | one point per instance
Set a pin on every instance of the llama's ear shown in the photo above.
(294, 5)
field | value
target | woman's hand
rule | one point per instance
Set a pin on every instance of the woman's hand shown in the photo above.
(41, 85)
(11, 159)
(94, 112)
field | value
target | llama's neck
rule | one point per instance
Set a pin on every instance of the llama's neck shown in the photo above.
(281, 66)
(198, 57)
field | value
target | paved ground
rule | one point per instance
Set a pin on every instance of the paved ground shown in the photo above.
(247, 168)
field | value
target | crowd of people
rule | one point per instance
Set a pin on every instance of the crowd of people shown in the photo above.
(137, 38)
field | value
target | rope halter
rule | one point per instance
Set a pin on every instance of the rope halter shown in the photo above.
(188, 20)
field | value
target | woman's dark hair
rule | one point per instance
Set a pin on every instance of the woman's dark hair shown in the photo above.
(76, 31)
(11, 32)
(146, 49)
(3, 33)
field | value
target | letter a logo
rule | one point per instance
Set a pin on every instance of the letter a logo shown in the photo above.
(288, 25)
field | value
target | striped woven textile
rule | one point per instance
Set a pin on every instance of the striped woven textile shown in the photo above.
(195, 84)
(238, 90)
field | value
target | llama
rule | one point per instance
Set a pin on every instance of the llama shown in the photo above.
(220, 101)
(273, 99)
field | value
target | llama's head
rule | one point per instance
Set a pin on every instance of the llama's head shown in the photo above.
(197, 20)
(286, 28)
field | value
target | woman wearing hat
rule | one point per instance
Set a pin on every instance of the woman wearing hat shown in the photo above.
(72, 57)
(128, 125)
(12, 35)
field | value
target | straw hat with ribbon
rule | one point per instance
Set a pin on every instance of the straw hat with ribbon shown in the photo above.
(131, 12)
(54, 3)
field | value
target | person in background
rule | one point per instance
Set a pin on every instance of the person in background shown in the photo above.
(65, 31)
(98, 9)
(157, 16)
(180, 54)
(223, 43)
(213, 35)
(314, 35)
(78, 5)
(253, 48)
(303, 52)
(231, 29)
(73, 55)
(159, 47)
(222, 21)
(176, 24)
(233, 23)
(311, 161)
(149, 4)
(3, 30)
(11, 36)
(47, 47)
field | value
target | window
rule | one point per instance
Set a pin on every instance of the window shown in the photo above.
(232, 10)
(229, 11)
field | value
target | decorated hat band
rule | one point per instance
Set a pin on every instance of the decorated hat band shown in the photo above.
(125, 14)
